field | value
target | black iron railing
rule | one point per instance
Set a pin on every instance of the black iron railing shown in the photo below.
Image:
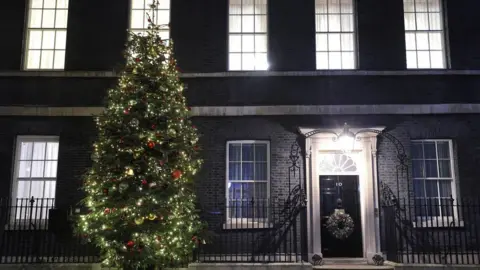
(257, 231)
(33, 231)
(434, 231)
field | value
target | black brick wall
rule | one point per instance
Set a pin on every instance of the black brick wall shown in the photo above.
(282, 132)
(96, 34)
(76, 136)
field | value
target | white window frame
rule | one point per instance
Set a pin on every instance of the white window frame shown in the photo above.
(164, 29)
(440, 221)
(28, 30)
(241, 33)
(17, 153)
(328, 33)
(416, 31)
(246, 223)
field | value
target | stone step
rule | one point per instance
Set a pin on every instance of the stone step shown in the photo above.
(352, 266)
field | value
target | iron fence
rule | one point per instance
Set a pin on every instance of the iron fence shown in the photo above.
(33, 231)
(436, 231)
(255, 231)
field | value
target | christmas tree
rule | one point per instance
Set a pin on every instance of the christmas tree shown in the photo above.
(139, 191)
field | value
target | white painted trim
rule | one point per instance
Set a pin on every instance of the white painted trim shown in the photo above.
(363, 155)
(114, 74)
(219, 111)
(245, 221)
(16, 158)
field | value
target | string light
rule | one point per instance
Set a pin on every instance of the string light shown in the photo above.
(144, 135)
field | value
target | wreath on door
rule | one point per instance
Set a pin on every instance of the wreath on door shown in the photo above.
(340, 224)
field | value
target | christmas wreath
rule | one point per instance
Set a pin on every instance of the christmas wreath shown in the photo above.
(340, 224)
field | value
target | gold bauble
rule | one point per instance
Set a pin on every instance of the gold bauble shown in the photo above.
(152, 216)
(129, 171)
(139, 221)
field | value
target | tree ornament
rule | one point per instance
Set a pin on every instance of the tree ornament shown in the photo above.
(151, 216)
(134, 122)
(139, 220)
(137, 60)
(152, 185)
(130, 244)
(154, 126)
(176, 174)
(129, 172)
(126, 111)
(171, 132)
(123, 187)
(144, 182)
(107, 211)
(161, 162)
(105, 191)
(151, 144)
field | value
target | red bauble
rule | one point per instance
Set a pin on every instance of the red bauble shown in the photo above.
(130, 244)
(137, 60)
(161, 162)
(151, 144)
(126, 111)
(144, 182)
(176, 174)
(149, 20)
(154, 126)
(105, 191)
(107, 211)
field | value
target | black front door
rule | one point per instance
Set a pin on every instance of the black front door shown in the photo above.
(340, 190)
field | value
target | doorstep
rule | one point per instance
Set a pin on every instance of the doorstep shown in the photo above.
(350, 263)
(247, 266)
(420, 266)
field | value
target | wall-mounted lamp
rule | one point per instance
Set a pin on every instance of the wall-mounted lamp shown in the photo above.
(346, 139)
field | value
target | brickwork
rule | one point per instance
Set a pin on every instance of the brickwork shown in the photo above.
(74, 151)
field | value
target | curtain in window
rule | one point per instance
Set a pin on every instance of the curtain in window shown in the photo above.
(433, 178)
(424, 33)
(334, 22)
(247, 179)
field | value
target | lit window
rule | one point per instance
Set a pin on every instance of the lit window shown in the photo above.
(424, 38)
(46, 34)
(335, 34)
(36, 161)
(248, 35)
(433, 178)
(161, 16)
(248, 180)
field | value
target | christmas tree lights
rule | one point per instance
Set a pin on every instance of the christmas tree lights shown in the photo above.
(139, 191)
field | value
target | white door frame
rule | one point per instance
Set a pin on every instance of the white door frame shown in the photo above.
(364, 155)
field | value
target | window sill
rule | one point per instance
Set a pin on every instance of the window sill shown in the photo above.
(438, 224)
(247, 225)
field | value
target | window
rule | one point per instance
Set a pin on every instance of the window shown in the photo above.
(161, 16)
(433, 178)
(248, 35)
(46, 34)
(335, 34)
(424, 36)
(248, 180)
(36, 160)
